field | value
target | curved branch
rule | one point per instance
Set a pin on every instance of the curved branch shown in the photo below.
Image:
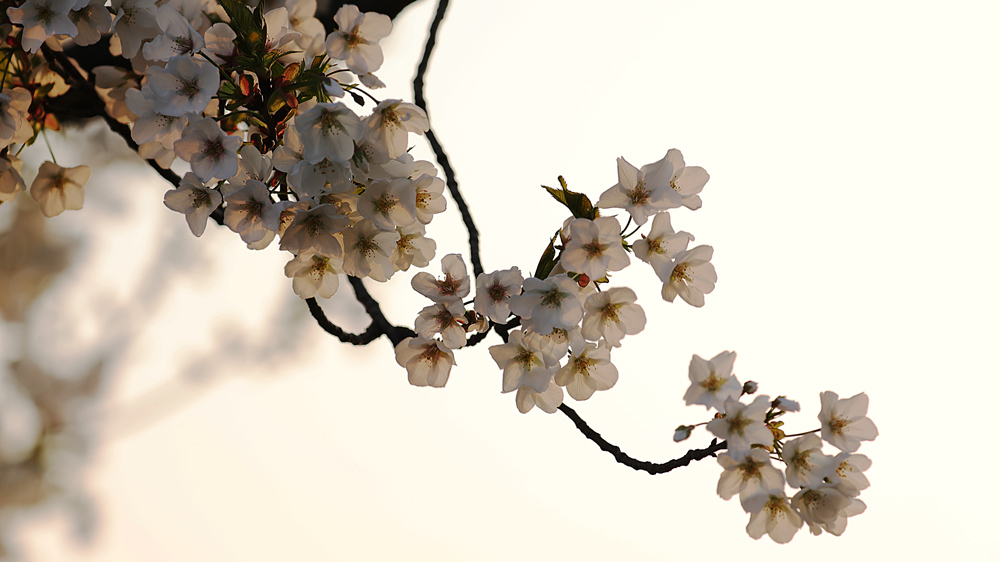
(439, 153)
(369, 335)
(395, 334)
(621, 457)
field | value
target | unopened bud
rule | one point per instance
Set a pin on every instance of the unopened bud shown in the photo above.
(749, 387)
(682, 432)
(584, 280)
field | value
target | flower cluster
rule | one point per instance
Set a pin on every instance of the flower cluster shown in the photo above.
(263, 107)
(248, 99)
(569, 320)
(827, 485)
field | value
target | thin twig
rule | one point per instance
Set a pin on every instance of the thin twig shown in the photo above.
(439, 153)
(369, 335)
(650, 467)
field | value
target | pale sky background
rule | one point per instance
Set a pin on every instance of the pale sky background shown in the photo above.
(852, 148)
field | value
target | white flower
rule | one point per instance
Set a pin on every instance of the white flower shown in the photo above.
(692, 277)
(14, 123)
(588, 369)
(772, 514)
(91, 20)
(688, 181)
(549, 303)
(314, 275)
(750, 475)
(315, 230)
(548, 401)
(412, 248)
(848, 473)
(454, 286)
(430, 197)
(185, 85)
(195, 200)
(253, 166)
(368, 249)
(328, 130)
(527, 359)
(807, 466)
(612, 314)
(390, 122)
(135, 21)
(113, 84)
(11, 181)
(712, 381)
(594, 248)
(826, 509)
(642, 193)
(389, 203)
(445, 318)
(179, 37)
(844, 423)
(356, 38)
(209, 150)
(151, 125)
(220, 43)
(493, 292)
(661, 245)
(250, 212)
(58, 189)
(743, 425)
(427, 362)
(42, 19)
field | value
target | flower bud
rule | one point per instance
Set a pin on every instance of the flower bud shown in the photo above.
(749, 387)
(682, 432)
(784, 404)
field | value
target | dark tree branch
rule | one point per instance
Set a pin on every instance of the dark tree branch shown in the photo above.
(395, 334)
(621, 457)
(439, 153)
(369, 335)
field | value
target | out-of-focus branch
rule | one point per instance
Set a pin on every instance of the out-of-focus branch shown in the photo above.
(439, 153)
(623, 458)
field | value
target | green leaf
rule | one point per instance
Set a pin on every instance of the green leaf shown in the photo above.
(548, 259)
(577, 203)
(251, 33)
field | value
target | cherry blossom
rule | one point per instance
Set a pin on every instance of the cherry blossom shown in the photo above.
(185, 85)
(661, 245)
(11, 182)
(356, 38)
(750, 475)
(211, 152)
(445, 318)
(594, 247)
(772, 514)
(692, 276)
(390, 122)
(314, 275)
(195, 200)
(548, 303)
(688, 181)
(807, 466)
(412, 248)
(743, 425)
(548, 400)
(14, 124)
(42, 19)
(712, 381)
(588, 369)
(58, 189)
(493, 292)
(454, 286)
(427, 362)
(315, 230)
(612, 314)
(368, 249)
(844, 422)
(642, 192)
(250, 213)
(328, 130)
(527, 359)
